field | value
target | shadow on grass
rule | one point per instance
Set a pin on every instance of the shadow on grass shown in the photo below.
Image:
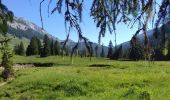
(99, 65)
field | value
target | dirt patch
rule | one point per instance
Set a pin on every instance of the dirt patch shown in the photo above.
(22, 65)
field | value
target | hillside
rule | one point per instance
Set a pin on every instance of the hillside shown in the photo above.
(23, 30)
(21, 27)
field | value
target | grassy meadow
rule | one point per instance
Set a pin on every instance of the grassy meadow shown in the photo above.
(82, 79)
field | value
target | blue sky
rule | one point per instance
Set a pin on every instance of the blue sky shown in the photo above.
(29, 9)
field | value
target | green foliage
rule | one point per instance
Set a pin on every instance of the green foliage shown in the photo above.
(110, 50)
(52, 47)
(46, 50)
(165, 51)
(57, 48)
(7, 62)
(102, 52)
(96, 50)
(16, 49)
(39, 45)
(136, 50)
(21, 49)
(33, 47)
(117, 53)
(5, 16)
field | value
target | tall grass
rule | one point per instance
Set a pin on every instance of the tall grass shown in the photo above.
(100, 79)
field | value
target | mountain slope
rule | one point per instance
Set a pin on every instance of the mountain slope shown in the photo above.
(23, 28)
(154, 42)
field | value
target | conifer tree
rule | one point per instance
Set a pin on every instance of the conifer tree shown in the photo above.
(39, 45)
(96, 50)
(46, 50)
(52, 47)
(5, 16)
(16, 49)
(57, 48)
(21, 49)
(136, 51)
(102, 52)
(110, 50)
(7, 62)
(117, 53)
(84, 52)
(32, 48)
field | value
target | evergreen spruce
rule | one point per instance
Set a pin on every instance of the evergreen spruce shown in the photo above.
(84, 52)
(96, 50)
(52, 47)
(46, 50)
(21, 50)
(110, 50)
(39, 45)
(32, 48)
(57, 48)
(136, 51)
(16, 49)
(102, 52)
(117, 53)
(7, 62)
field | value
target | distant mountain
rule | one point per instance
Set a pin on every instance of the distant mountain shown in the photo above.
(70, 44)
(24, 30)
(20, 28)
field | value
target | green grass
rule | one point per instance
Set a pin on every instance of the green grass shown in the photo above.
(85, 80)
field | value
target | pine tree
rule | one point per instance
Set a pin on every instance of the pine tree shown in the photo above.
(110, 50)
(57, 48)
(7, 62)
(96, 50)
(52, 47)
(84, 52)
(136, 51)
(67, 51)
(16, 49)
(32, 48)
(39, 46)
(21, 49)
(117, 53)
(102, 52)
(28, 50)
(46, 51)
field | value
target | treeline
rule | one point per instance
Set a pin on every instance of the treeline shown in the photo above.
(47, 47)
(137, 51)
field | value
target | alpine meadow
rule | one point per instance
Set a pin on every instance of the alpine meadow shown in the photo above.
(84, 50)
